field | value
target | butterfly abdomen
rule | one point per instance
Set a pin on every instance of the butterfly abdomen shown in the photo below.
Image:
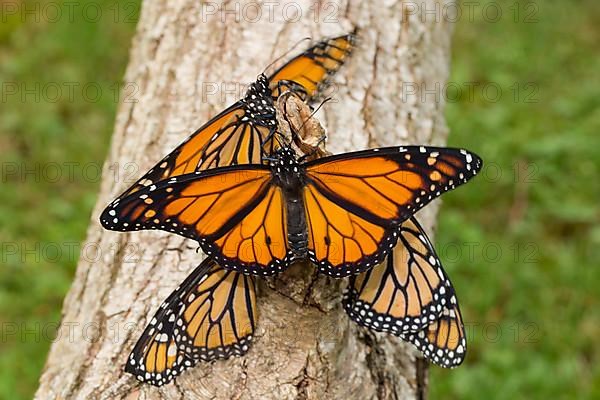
(288, 175)
(296, 224)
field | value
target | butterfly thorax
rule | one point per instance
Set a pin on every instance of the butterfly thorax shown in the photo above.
(287, 171)
(259, 102)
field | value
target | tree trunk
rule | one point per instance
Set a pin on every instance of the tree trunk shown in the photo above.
(183, 61)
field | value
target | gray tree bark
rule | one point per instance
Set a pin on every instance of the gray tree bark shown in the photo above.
(183, 59)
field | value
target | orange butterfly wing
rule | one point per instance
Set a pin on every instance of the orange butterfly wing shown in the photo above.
(411, 297)
(238, 135)
(310, 71)
(407, 292)
(236, 214)
(211, 315)
(218, 317)
(443, 342)
(355, 202)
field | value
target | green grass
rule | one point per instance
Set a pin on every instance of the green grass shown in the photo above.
(530, 311)
(45, 219)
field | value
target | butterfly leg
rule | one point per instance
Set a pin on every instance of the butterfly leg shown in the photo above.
(268, 145)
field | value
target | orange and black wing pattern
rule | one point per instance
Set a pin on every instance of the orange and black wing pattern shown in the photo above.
(235, 213)
(355, 202)
(245, 131)
(405, 293)
(241, 134)
(411, 296)
(218, 318)
(211, 315)
(443, 342)
(308, 74)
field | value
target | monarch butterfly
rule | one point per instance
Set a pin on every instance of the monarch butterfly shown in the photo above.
(211, 315)
(342, 212)
(410, 298)
(240, 133)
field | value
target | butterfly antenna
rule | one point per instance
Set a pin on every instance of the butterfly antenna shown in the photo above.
(286, 53)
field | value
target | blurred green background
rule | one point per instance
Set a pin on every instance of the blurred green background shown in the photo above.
(520, 243)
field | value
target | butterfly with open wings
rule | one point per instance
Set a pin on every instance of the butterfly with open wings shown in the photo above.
(341, 212)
